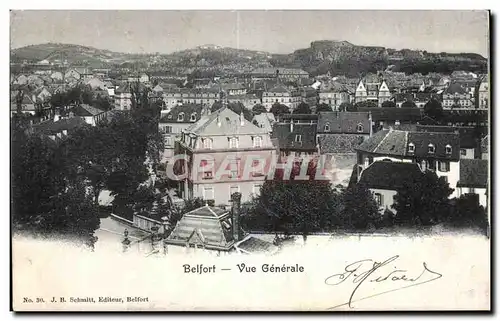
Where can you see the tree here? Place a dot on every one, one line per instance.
(365, 104)
(467, 212)
(323, 107)
(258, 109)
(302, 108)
(423, 202)
(286, 207)
(408, 104)
(347, 106)
(388, 103)
(360, 209)
(433, 109)
(278, 109)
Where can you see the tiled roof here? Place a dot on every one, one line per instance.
(339, 143)
(344, 122)
(206, 226)
(279, 89)
(395, 142)
(390, 175)
(467, 134)
(252, 245)
(265, 120)
(50, 127)
(85, 110)
(473, 173)
(286, 136)
(306, 117)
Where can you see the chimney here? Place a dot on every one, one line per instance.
(56, 118)
(242, 119)
(236, 209)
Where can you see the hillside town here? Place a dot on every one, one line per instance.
(384, 134)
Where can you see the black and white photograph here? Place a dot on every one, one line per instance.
(250, 160)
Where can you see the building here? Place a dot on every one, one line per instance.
(248, 100)
(90, 114)
(123, 97)
(474, 179)
(309, 96)
(296, 134)
(455, 96)
(397, 118)
(235, 89)
(227, 154)
(282, 95)
(483, 93)
(438, 152)
(470, 139)
(80, 73)
(27, 103)
(372, 89)
(174, 122)
(175, 96)
(285, 74)
(57, 76)
(342, 132)
(96, 83)
(144, 78)
(385, 178)
(333, 94)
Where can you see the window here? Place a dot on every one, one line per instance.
(298, 138)
(233, 142)
(193, 117)
(360, 128)
(444, 166)
(378, 199)
(167, 129)
(208, 193)
(256, 189)
(423, 165)
(327, 127)
(397, 123)
(257, 141)
(234, 167)
(207, 168)
(431, 149)
(180, 117)
(448, 149)
(207, 143)
(167, 140)
(411, 148)
(463, 152)
(233, 189)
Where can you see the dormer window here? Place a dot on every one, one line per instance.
(233, 142)
(180, 117)
(431, 149)
(411, 148)
(257, 141)
(327, 127)
(298, 138)
(360, 128)
(193, 117)
(448, 149)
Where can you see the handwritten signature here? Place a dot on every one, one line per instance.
(369, 270)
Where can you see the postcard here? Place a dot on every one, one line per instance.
(260, 160)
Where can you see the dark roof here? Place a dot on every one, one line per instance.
(455, 88)
(50, 127)
(286, 137)
(393, 114)
(339, 143)
(187, 109)
(390, 175)
(467, 134)
(344, 122)
(284, 117)
(396, 142)
(473, 173)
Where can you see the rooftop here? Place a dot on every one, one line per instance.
(473, 173)
(390, 175)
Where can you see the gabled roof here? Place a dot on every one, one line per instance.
(50, 127)
(251, 245)
(344, 122)
(338, 143)
(467, 134)
(396, 142)
(224, 122)
(473, 173)
(286, 136)
(393, 114)
(265, 120)
(279, 89)
(390, 175)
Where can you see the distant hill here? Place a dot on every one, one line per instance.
(336, 57)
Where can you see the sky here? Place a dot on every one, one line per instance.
(272, 31)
